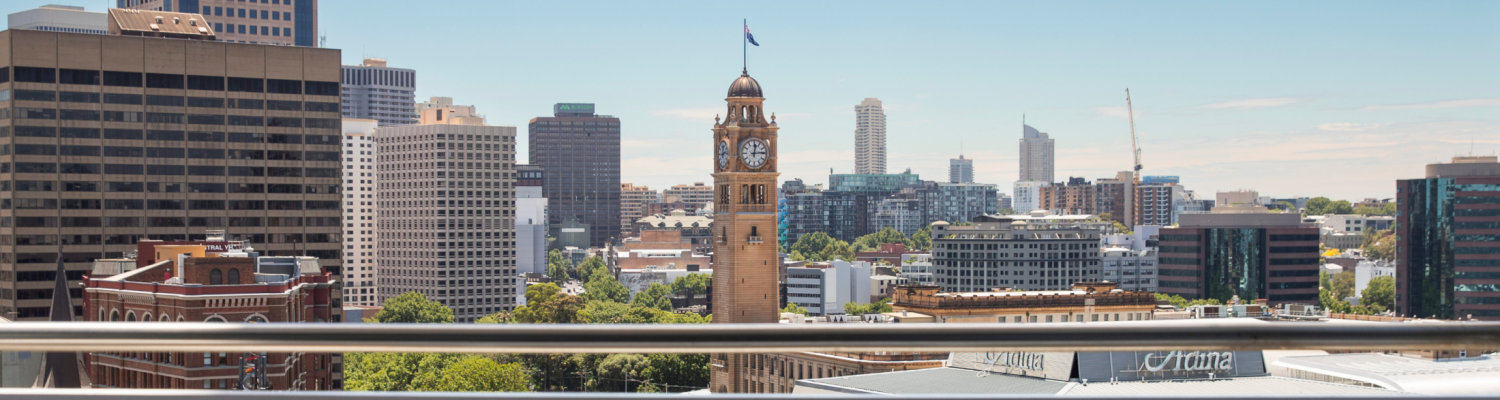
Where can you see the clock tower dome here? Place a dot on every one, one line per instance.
(746, 285)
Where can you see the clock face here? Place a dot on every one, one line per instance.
(723, 154)
(753, 151)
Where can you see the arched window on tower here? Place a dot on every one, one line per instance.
(215, 277)
(234, 276)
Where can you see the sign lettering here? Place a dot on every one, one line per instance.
(1189, 361)
(1031, 361)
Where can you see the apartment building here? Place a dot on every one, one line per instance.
(116, 138)
(633, 205)
(1038, 251)
(697, 193)
(447, 213)
(869, 137)
(273, 22)
(1077, 196)
(360, 239)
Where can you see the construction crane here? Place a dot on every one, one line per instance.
(1135, 150)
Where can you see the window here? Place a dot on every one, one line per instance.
(164, 135)
(78, 77)
(284, 122)
(321, 88)
(234, 276)
(215, 277)
(240, 120)
(38, 75)
(123, 116)
(205, 119)
(164, 81)
(248, 104)
(283, 86)
(122, 133)
(126, 79)
(36, 95)
(206, 102)
(36, 113)
(78, 115)
(78, 97)
(164, 118)
(283, 105)
(249, 85)
(164, 170)
(124, 169)
(116, 98)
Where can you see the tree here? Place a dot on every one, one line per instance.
(618, 371)
(1380, 291)
(680, 370)
(1288, 206)
(837, 249)
(1106, 216)
(1342, 285)
(546, 304)
(656, 296)
(796, 256)
(502, 317)
(1379, 245)
(1122, 229)
(922, 240)
(872, 242)
(413, 308)
(603, 287)
(854, 308)
(1317, 205)
(811, 245)
(1183, 303)
(1339, 207)
(692, 284)
(1006, 211)
(479, 374)
(1323, 282)
(794, 308)
(558, 267)
(589, 266)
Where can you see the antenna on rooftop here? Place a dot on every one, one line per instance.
(323, 40)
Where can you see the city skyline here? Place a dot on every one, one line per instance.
(1365, 93)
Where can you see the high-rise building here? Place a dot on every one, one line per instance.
(1447, 228)
(695, 193)
(374, 91)
(360, 238)
(1243, 251)
(956, 202)
(531, 220)
(57, 18)
(746, 281)
(633, 202)
(447, 213)
(851, 201)
(1157, 203)
(1028, 195)
(285, 23)
(1077, 196)
(1116, 196)
(206, 135)
(1005, 201)
(805, 212)
(869, 137)
(960, 170)
(1036, 155)
(232, 287)
(1028, 252)
(580, 151)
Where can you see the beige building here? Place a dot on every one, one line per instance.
(115, 139)
(1085, 302)
(359, 212)
(1242, 196)
(284, 22)
(634, 200)
(446, 211)
(696, 193)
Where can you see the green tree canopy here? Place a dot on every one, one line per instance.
(603, 287)
(558, 266)
(1317, 205)
(694, 283)
(1380, 291)
(413, 308)
(1183, 303)
(546, 304)
(1006, 211)
(655, 296)
(1339, 207)
(812, 244)
(589, 266)
(1342, 285)
(681, 371)
(1379, 245)
(854, 308)
(794, 308)
(479, 374)
(872, 242)
(922, 240)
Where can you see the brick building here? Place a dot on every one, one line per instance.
(1077, 196)
(222, 287)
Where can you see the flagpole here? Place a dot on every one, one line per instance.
(745, 48)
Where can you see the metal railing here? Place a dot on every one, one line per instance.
(1223, 334)
(1218, 334)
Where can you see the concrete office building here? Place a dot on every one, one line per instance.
(58, 18)
(1035, 251)
(633, 204)
(1447, 227)
(1242, 196)
(869, 137)
(360, 238)
(1028, 196)
(1036, 156)
(531, 220)
(1243, 251)
(1116, 196)
(960, 170)
(284, 23)
(696, 193)
(374, 91)
(447, 213)
(1134, 270)
(824, 288)
(580, 151)
(193, 135)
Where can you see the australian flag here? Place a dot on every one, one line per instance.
(750, 37)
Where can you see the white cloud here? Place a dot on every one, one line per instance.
(689, 114)
(1347, 126)
(1252, 103)
(1435, 105)
(1113, 112)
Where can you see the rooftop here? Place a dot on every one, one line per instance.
(1407, 374)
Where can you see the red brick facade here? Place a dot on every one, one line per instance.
(142, 296)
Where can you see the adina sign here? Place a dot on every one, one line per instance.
(1188, 361)
(1031, 361)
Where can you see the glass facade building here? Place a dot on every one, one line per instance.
(1239, 255)
(1448, 247)
(581, 153)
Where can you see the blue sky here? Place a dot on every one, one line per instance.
(1326, 98)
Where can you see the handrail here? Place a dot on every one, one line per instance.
(153, 394)
(1217, 334)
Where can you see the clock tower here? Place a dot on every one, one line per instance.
(746, 285)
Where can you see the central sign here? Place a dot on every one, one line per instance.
(1188, 361)
(1022, 360)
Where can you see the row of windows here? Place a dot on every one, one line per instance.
(1179, 272)
(167, 81)
(1179, 249)
(128, 222)
(169, 101)
(1178, 238)
(1295, 272)
(168, 152)
(164, 204)
(1294, 261)
(194, 136)
(1294, 249)
(163, 187)
(1293, 238)
(198, 170)
(172, 118)
(1178, 261)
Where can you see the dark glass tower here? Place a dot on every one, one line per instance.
(581, 153)
(1448, 241)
